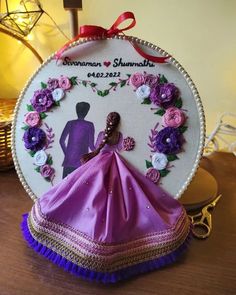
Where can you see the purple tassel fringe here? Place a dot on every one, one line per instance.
(99, 276)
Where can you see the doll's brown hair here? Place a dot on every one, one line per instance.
(112, 122)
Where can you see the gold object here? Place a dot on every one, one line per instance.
(23, 19)
(6, 111)
(202, 221)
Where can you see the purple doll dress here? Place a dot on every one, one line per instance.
(106, 221)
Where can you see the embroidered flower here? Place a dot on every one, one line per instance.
(42, 100)
(34, 139)
(52, 83)
(40, 158)
(128, 143)
(32, 119)
(164, 95)
(151, 80)
(137, 80)
(173, 117)
(47, 171)
(64, 83)
(169, 140)
(159, 161)
(58, 94)
(143, 92)
(153, 174)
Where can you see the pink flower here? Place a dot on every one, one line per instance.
(128, 143)
(151, 80)
(137, 80)
(47, 171)
(64, 83)
(153, 174)
(173, 117)
(32, 119)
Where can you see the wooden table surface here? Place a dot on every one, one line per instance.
(209, 267)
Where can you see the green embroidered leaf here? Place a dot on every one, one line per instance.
(160, 112)
(128, 75)
(122, 83)
(182, 129)
(113, 84)
(148, 164)
(73, 80)
(100, 93)
(43, 115)
(43, 85)
(172, 158)
(146, 101)
(49, 160)
(25, 127)
(37, 169)
(84, 83)
(164, 172)
(163, 79)
(93, 84)
(105, 92)
(32, 153)
(178, 103)
(30, 107)
(57, 103)
(47, 179)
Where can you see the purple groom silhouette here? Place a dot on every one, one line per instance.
(80, 134)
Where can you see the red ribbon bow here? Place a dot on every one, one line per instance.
(96, 31)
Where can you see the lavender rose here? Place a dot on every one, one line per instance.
(151, 80)
(164, 95)
(58, 94)
(40, 158)
(153, 174)
(47, 171)
(64, 83)
(137, 80)
(52, 83)
(143, 92)
(159, 161)
(34, 139)
(42, 100)
(169, 141)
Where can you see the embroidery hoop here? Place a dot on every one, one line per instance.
(160, 51)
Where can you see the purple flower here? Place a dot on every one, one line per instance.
(151, 80)
(34, 139)
(42, 100)
(47, 171)
(52, 83)
(164, 95)
(169, 141)
(153, 174)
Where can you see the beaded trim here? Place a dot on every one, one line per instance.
(85, 252)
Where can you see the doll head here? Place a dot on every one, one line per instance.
(112, 122)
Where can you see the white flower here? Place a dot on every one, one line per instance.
(159, 161)
(143, 92)
(58, 94)
(40, 158)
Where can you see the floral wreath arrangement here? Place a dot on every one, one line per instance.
(150, 89)
(166, 143)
